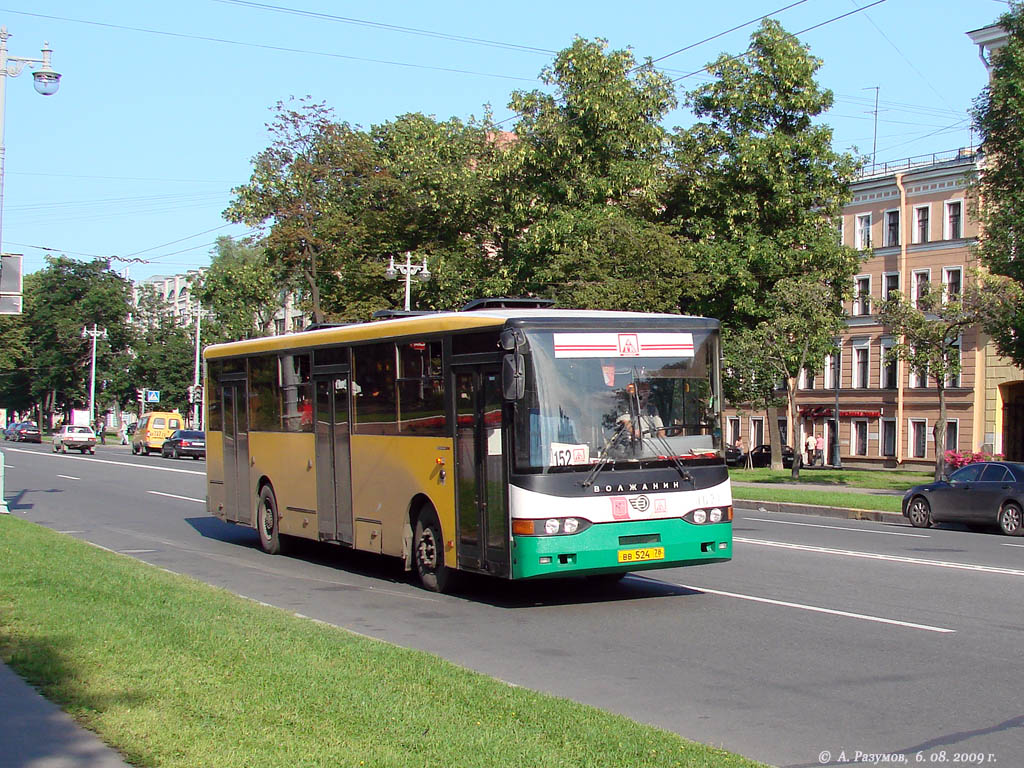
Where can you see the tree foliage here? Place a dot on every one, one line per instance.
(929, 332)
(999, 118)
(240, 289)
(60, 300)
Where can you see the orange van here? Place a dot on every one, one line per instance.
(155, 427)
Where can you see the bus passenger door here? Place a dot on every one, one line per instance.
(239, 506)
(333, 467)
(479, 455)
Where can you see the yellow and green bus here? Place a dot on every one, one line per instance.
(508, 439)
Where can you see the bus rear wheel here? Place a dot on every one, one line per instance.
(428, 548)
(266, 521)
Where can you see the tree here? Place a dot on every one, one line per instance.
(930, 331)
(60, 300)
(755, 189)
(293, 187)
(806, 316)
(999, 118)
(240, 288)
(578, 187)
(164, 353)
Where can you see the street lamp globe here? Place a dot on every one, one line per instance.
(45, 79)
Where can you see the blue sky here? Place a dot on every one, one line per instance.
(163, 105)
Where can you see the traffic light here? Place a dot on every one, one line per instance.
(139, 395)
(191, 394)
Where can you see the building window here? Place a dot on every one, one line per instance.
(298, 323)
(862, 295)
(954, 223)
(862, 236)
(279, 326)
(833, 369)
(952, 283)
(892, 228)
(918, 438)
(892, 284)
(888, 446)
(954, 354)
(952, 434)
(890, 371)
(919, 378)
(807, 379)
(734, 430)
(922, 281)
(860, 437)
(860, 368)
(756, 432)
(921, 218)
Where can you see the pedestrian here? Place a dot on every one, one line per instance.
(819, 450)
(101, 431)
(123, 433)
(809, 444)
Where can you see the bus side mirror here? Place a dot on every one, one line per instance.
(513, 376)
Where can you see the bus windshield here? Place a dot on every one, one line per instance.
(623, 397)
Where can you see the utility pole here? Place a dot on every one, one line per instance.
(874, 140)
(95, 334)
(197, 400)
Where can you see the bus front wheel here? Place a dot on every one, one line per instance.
(266, 521)
(429, 552)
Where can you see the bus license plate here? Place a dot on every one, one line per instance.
(640, 555)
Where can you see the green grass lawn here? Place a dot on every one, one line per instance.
(779, 486)
(174, 673)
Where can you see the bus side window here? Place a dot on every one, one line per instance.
(264, 406)
(296, 394)
(214, 423)
(374, 385)
(420, 389)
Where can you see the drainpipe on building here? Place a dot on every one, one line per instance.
(905, 289)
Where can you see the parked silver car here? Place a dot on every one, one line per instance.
(76, 438)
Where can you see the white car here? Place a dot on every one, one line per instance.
(77, 438)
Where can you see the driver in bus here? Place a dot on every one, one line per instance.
(640, 418)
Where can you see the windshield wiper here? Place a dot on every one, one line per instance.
(671, 456)
(605, 455)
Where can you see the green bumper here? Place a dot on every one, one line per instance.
(596, 550)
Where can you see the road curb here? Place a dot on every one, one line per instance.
(845, 513)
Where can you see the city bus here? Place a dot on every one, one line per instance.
(509, 439)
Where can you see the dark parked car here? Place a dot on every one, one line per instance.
(185, 442)
(982, 494)
(10, 430)
(761, 456)
(734, 457)
(27, 432)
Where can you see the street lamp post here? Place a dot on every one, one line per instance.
(408, 270)
(837, 462)
(95, 333)
(197, 401)
(46, 82)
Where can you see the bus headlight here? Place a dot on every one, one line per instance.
(709, 516)
(552, 526)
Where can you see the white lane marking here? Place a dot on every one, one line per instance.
(137, 551)
(69, 477)
(837, 527)
(1011, 545)
(818, 609)
(176, 496)
(890, 558)
(108, 461)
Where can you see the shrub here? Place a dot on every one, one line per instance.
(957, 459)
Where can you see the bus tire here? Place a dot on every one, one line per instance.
(428, 552)
(267, 521)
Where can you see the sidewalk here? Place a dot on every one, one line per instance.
(37, 734)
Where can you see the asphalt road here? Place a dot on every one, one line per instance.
(823, 642)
